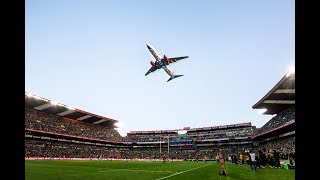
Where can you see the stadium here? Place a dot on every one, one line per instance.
(63, 142)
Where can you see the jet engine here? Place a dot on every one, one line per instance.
(166, 58)
(152, 64)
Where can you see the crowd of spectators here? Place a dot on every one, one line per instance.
(267, 152)
(154, 153)
(201, 153)
(210, 134)
(285, 146)
(37, 120)
(57, 149)
(142, 153)
(144, 138)
(226, 133)
(279, 120)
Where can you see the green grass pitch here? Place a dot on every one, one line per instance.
(122, 170)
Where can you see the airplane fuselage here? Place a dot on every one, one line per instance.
(160, 62)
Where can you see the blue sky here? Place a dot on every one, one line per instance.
(92, 55)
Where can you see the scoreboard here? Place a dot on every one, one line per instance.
(182, 144)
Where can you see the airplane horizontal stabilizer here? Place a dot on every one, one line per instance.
(173, 77)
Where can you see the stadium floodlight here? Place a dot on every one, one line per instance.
(54, 103)
(261, 111)
(37, 97)
(119, 124)
(28, 94)
(291, 70)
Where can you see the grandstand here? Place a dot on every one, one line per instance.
(277, 136)
(51, 107)
(52, 127)
(232, 137)
(234, 134)
(48, 122)
(54, 130)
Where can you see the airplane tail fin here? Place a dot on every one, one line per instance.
(173, 77)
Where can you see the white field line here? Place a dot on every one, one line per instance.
(183, 172)
(131, 170)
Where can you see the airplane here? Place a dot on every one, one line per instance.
(163, 63)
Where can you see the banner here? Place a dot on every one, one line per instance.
(182, 135)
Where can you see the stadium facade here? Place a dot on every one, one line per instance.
(55, 130)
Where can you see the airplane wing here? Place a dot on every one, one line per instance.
(175, 59)
(152, 69)
(154, 52)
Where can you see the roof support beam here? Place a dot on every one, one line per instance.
(100, 121)
(84, 117)
(43, 106)
(66, 112)
(279, 102)
(285, 91)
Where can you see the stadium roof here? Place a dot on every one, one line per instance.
(48, 106)
(280, 97)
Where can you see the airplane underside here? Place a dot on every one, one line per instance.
(162, 63)
(167, 70)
